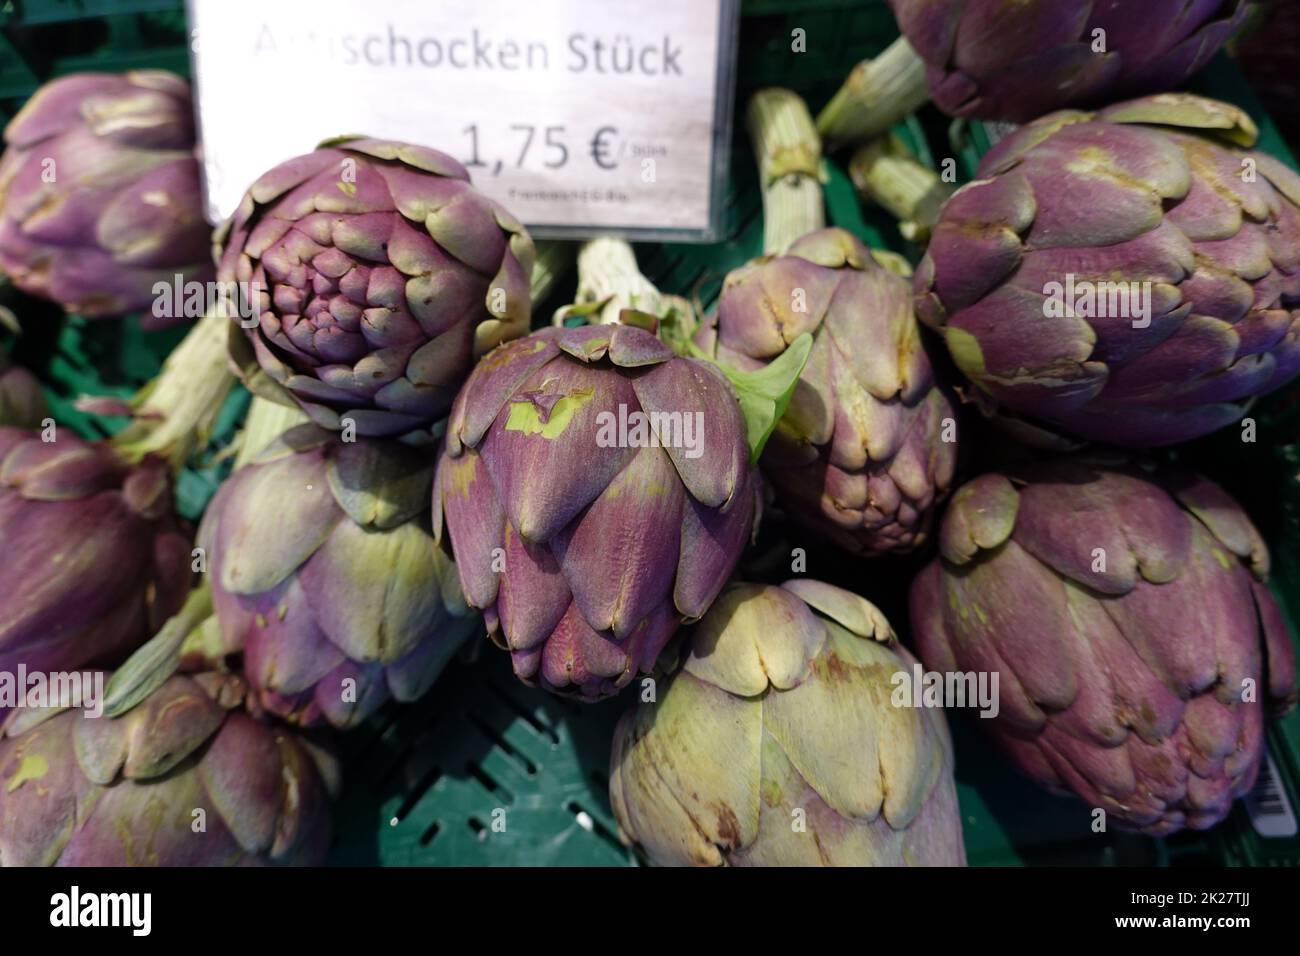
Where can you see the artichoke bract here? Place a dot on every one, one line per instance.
(324, 575)
(377, 275)
(96, 560)
(1127, 276)
(22, 403)
(1138, 649)
(597, 491)
(100, 194)
(867, 445)
(188, 777)
(778, 743)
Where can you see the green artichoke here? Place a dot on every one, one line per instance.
(325, 576)
(777, 743)
(1138, 649)
(377, 276)
(1127, 276)
(188, 777)
(100, 196)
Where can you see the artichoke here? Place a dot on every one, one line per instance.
(1125, 275)
(22, 403)
(1138, 649)
(100, 195)
(864, 449)
(997, 60)
(1018, 61)
(188, 777)
(597, 491)
(96, 560)
(378, 276)
(861, 454)
(324, 575)
(777, 743)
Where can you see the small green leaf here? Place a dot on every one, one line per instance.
(677, 328)
(765, 394)
(149, 667)
(639, 319)
(581, 311)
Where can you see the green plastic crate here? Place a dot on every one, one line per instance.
(63, 11)
(41, 39)
(488, 771)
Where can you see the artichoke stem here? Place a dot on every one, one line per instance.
(266, 421)
(789, 156)
(877, 94)
(889, 174)
(609, 281)
(554, 259)
(792, 208)
(175, 413)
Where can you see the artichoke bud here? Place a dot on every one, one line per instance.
(100, 195)
(778, 743)
(1123, 276)
(865, 448)
(379, 298)
(81, 789)
(1138, 649)
(326, 576)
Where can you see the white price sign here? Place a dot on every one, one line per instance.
(580, 116)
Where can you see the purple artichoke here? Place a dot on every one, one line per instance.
(324, 574)
(1121, 274)
(96, 560)
(100, 196)
(1138, 649)
(1016, 61)
(186, 778)
(777, 743)
(597, 492)
(22, 403)
(378, 276)
(860, 454)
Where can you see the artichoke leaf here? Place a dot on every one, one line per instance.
(250, 373)
(154, 663)
(380, 484)
(764, 394)
(852, 611)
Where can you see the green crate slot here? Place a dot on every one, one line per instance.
(484, 771)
